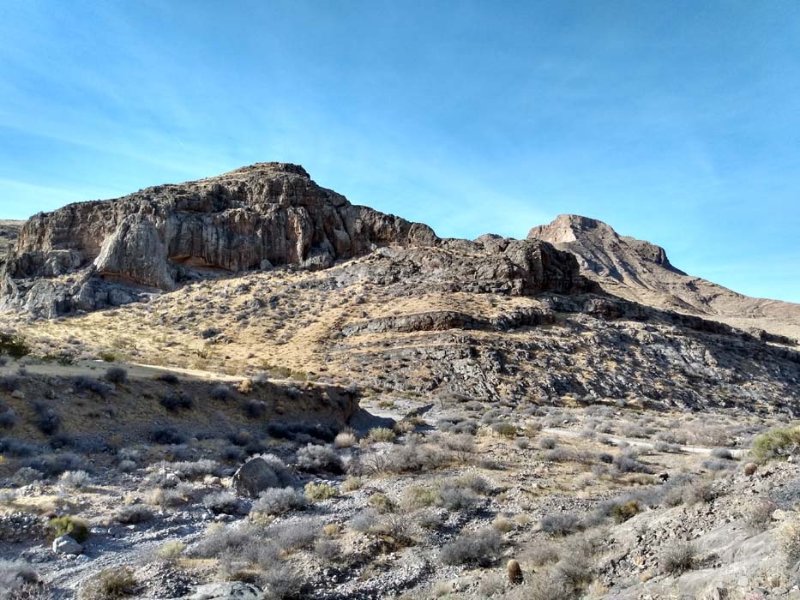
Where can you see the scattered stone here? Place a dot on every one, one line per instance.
(232, 590)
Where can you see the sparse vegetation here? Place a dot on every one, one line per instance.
(74, 527)
(677, 558)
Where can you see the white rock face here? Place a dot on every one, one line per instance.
(66, 545)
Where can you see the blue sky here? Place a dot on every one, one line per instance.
(677, 122)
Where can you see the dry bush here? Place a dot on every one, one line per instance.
(677, 558)
(481, 548)
(277, 501)
(109, 584)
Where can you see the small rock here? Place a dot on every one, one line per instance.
(66, 545)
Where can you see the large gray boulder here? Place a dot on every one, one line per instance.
(259, 474)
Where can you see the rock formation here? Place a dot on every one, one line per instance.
(641, 272)
(97, 254)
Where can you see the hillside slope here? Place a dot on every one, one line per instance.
(641, 272)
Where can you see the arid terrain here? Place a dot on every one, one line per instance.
(247, 387)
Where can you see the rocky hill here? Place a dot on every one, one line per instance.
(281, 272)
(253, 218)
(289, 396)
(641, 272)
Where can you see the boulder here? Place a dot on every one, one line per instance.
(66, 545)
(253, 477)
(229, 590)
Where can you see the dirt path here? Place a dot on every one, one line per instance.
(641, 443)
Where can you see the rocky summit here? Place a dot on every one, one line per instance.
(248, 387)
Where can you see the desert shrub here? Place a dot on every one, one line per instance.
(294, 535)
(168, 378)
(282, 581)
(18, 581)
(193, 469)
(52, 465)
(542, 586)
(668, 448)
(380, 434)
(623, 511)
(254, 409)
(277, 501)
(789, 540)
(319, 459)
(699, 491)
(381, 502)
(8, 418)
(409, 458)
(175, 401)
(758, 516)
(221, 539)
(221, 393)
(116, 375)
(561, 524)
(76, 528)
(171, 551)
(26, 475)
(74, 479)
(722, 453)
(166, 436)
(48, 420)
(677, 558)
(575, 568)
(127, 466)
(628, 462)
(481, 548)
(328, 551)
(417, 496)
(240, 438)
(223, 502)
(319, 491)
(133, 514)
(17, 448)
(507, 430)
(109, 584)
(166, 497)
(345, 439)
(83, 383)
(13, 345)
(547, 443)
(364, 521)
(776, 443)
(10, 383)
(351, 484)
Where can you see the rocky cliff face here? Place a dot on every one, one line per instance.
(252, 218)
(8, 237)
(93, 255)
(641, 272)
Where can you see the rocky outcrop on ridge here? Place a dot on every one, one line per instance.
(8, 237)
(641, 272)
(93, 255)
